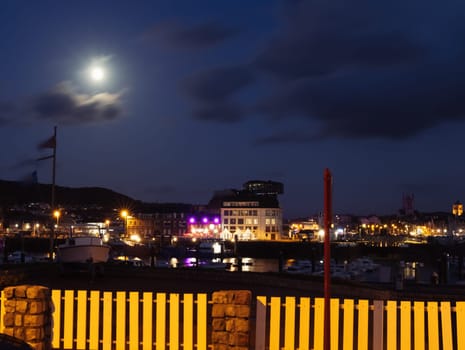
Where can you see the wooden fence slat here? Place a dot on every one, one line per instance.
(2, 310)
(94, 319)
(133, 320)
(348, 326)
(160, 335)
(378, 324)
(289, 324)
(147, 319)
(275, 323)
(56, 334)
(202, 322)
(81, 326)
(107, 320)
(391, 320)
(363, 326)
(433, 325)
(260, 317)
(419, 325)
(460, 324)
(334, 327)
(318, 324)
(68, 321)
(120, 321)
(304, 323)
(446, 326)
(188, 339)
(174, 321)
(405, 325)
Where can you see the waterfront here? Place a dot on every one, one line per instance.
(264, 269)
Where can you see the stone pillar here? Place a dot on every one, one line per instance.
(28, 315)
(231, 319)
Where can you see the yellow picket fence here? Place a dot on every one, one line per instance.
(129, 320)
(104, 320)
(292, 323)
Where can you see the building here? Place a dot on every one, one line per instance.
(251, 213)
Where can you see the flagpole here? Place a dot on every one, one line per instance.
(54, 167)
(52, 231)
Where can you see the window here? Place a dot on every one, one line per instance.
(232, 221)
(226, 213)
(225, 221)
(234, 213)
(248, 221)
(267, 221)
(273, 221)
(254, 212)
(240, 221)
(255, 221)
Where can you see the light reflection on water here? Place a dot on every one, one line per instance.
(383, 273)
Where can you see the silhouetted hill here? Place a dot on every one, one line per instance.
(13, 192)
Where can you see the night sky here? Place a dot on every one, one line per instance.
(199, 96)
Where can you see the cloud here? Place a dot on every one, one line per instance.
(62, 104)
(219, 111)
(179, 35)
(218, 83)
(364, 70)
(375, 104)
(320, 38)
(65, 106)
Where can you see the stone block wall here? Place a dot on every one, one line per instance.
(231, 312)
(28, 315)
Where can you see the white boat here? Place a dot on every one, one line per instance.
(83, 249)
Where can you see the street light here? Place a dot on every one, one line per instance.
(57, 214)
(124, 215)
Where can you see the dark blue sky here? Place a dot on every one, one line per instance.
(205, 95)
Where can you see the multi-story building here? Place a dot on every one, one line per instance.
(252, 213)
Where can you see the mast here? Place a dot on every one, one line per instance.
(54, 167)
(52, 231)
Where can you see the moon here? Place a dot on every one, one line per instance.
(97, 73)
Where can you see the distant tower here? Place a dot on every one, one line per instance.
(457, 209)
(408, 204)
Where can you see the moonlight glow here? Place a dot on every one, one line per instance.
(97, 73)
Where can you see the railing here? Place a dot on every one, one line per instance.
(122, 320)
(298, 324)
(128, 320)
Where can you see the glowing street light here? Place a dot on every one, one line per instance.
(124, 214)
(57, 214)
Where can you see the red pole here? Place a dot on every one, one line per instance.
(327, 255)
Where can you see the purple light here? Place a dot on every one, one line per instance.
(216, 220)
(192, 220)
(205, 220)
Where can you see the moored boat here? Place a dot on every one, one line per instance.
(83, 249)
(84, 245)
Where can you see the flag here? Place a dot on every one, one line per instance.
(49, 143)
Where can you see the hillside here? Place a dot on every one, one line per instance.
(13, 192)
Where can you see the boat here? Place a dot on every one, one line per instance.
(83, 246)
